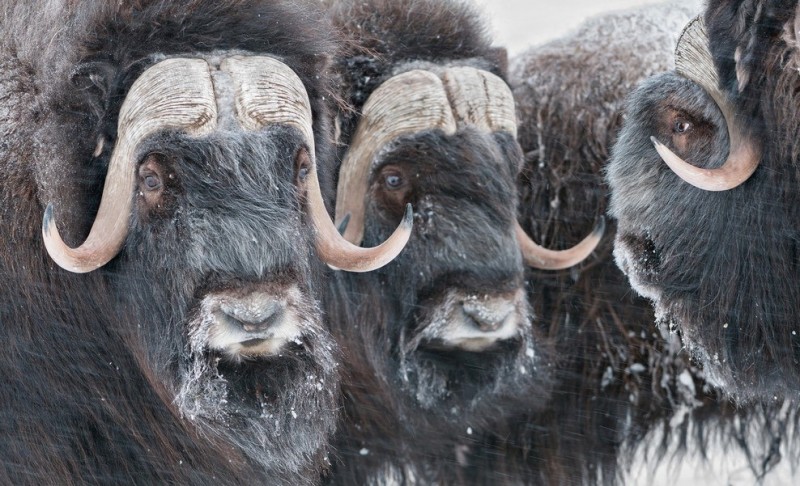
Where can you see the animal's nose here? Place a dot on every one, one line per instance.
(488, 316)
(255, 318)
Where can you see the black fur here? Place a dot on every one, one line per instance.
(626, 394)
(617, 375)
(101, 380)
(412, 409)
(721, 266)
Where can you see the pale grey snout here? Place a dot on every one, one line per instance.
(487, 317)
(249, 324)
(473, 322)
(253, 320)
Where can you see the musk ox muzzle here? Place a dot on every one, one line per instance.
(471, 321)
(252, 321)
(180, 94)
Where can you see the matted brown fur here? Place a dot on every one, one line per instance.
(620, 377)
(90, 363)
(411, 411)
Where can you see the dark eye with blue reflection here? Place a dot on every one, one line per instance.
(150, 173)
(393, 180)
(302, 173)
(152, 182)
(302, 167)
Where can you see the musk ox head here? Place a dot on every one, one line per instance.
(204, 225)
(455, 313)
(617, 376)
(212, 222)
(711, 245)
(438, 344)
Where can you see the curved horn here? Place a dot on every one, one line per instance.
(484, 100)
(269, 92)
(544, 259)
(481, 99)
(173, 94)
(408, 103)
(693, 61)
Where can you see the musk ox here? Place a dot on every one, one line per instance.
(615, 374)
(438, 344)
(711, 236)
(171, 145)
(623, 387)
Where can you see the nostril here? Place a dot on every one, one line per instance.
(485, 319)
(254, 320)
(484, 325)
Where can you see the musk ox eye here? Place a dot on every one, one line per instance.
(150, 173)
(302, 173)
(393, 180)
(302, 166)
(152, 182)
(392, 189)
(681, 126)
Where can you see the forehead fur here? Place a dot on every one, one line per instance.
(60, 33)
(381, 36)
(428, 29)
(475, 166)
(80, 65)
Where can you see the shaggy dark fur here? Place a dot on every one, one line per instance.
(383, 38)
(412, 408)
(615, 370)
(721, 267)
(101, 382)
(622, 383)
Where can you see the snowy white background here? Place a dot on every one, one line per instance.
(519, 24)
